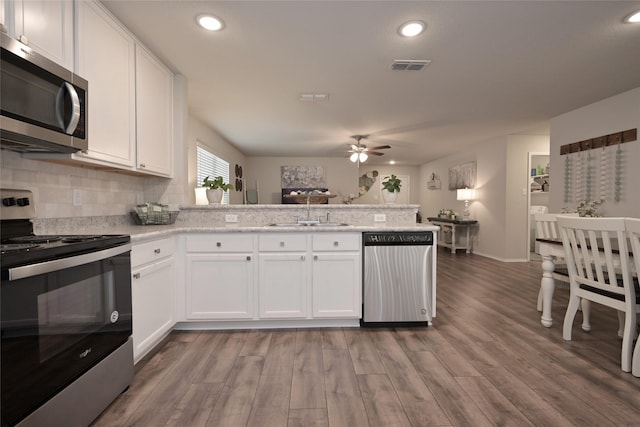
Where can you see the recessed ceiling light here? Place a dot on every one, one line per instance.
(392, 162)
(633, 18)
(411, 28)
(210, 22)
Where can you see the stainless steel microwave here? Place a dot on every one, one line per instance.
(44, 106)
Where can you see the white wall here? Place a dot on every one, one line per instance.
(341, 174)
(614, 114)
(500, 206)
(199, 132)
(342, 177)
(413, 186)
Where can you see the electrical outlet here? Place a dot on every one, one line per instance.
(77, 198)
(379, 217)
(231, 218)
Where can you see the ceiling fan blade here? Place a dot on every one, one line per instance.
(381, 147)
(374, 153)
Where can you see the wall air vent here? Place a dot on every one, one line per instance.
(410, 64)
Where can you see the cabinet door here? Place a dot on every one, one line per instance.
(48, 26)
(337, 287)
(283, 285)
(106, 58)
(219, 286)
(152, 298)
(154, 108)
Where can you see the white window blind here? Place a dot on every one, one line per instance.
(212, 166)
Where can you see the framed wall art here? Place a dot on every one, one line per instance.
(462, 176)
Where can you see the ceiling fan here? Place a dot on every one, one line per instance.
(360, 152)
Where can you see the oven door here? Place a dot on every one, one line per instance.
(60, 318)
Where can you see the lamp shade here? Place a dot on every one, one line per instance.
(466, 194)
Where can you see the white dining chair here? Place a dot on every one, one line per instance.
(547, 228)
(597, 257)
(633, 233)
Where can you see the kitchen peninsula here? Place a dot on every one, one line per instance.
(230, 267)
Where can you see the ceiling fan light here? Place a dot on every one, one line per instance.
(363, 157)
(354, 157)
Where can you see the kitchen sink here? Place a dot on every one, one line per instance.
(302, 224)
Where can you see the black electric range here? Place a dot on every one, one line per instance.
(20, 246)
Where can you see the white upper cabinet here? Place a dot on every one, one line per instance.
(154, 98)
(3, 15)
(130, 99)
(46, 26)
(106, 58)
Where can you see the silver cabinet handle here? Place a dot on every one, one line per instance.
(336, 243)
(315, 257)
(248, 258)
(142, 165)
(156, 251)
(219, 244)
(282, 244)
(136, 276)
(302, 258)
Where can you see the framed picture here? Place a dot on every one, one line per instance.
(463, 176)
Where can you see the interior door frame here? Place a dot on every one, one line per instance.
(528, 190)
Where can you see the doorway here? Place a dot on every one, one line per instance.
(537, 195)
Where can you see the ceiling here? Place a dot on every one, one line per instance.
(498, 68)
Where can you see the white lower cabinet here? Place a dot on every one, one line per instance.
(310, 275)
(152, 291)
(272, 276)
(283, 289)
(219, 286)
(336, 275)
(219, 276)
(336, 285)
(283, 286)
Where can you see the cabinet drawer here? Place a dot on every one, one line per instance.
(217, 243)
(147, 252)
(336, 242)
(283, 242)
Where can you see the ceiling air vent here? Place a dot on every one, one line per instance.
(409, 65)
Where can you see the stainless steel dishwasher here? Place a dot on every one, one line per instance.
(399, 278)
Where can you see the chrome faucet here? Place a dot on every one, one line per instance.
(309, 221)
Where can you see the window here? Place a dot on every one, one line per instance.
(211, 165)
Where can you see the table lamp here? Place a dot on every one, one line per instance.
(466, 194)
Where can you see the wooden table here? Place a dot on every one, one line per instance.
(467, 225)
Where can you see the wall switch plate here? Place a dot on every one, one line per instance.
(77, 198)
(379, 217)
(231, 218)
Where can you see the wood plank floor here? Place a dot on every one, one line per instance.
(486, 361)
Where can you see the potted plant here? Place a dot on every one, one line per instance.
(391, 188)
(216, 188)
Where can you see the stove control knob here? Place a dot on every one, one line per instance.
(9, 201)
(23, 201)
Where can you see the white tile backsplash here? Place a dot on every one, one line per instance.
(52, 184)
